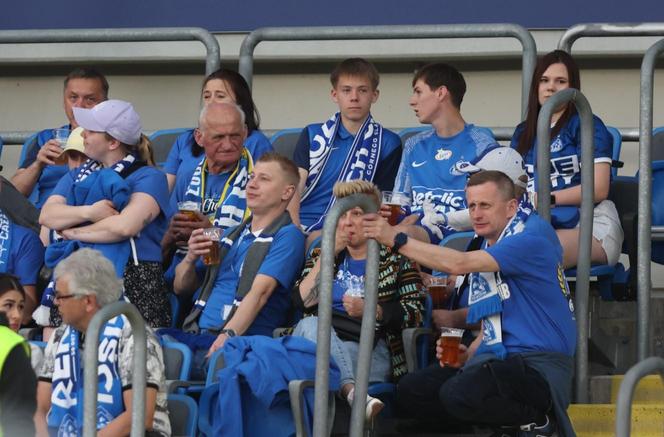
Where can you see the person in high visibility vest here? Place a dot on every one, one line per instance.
(18, 384)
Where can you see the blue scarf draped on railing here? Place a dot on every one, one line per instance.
(487, 291)
(360, 163)
(65, 417)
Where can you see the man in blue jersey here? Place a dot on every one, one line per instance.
(217, 184)
(248, 293)
(350, 145)
(518, 372)
(428, 166)
(40, 168)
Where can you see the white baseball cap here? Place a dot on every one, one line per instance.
(500, 158)
(115, 117)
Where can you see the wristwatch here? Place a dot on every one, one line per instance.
(229, 332)
(553, 199)
(399, 240)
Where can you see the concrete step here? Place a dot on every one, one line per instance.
(598, 420)
(604, 389)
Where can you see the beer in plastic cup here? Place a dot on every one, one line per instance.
(61, 135)
(437, 287)
(450, 339)
(189, 208)
(213, 257)
(396, 201)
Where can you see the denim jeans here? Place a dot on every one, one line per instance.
(345, 353)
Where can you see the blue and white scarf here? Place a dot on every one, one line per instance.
(85, 191)
(488, 291)
(232, 206)
(5, 241)
(65, 417)
(361, 162)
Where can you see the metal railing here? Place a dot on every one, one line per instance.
(586, 221)
(529, 56)
(90, 377)
(321, 427)
(626, 392)
(607, 29)
(644, 217)
(146, 34)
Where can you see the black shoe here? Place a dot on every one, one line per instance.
(546, 429)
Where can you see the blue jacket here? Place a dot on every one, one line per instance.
(262, 366)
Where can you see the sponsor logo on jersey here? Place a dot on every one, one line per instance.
(418, 164)
(557, 145)
(443, 154)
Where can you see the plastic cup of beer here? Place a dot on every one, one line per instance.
(396, 200)
(450, 339)
(212, 257)
(61, 135)
(437, 288)
(189, 208)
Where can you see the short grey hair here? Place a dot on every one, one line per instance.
(90, 273)
(204, 110)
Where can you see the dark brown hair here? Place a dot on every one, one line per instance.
(357, 67)
(441, 74)
(10, 282)
(88, 73)
(530, 124)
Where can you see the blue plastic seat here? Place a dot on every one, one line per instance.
(162, 142)
(285, 140)
(183, 415)
(177, 364)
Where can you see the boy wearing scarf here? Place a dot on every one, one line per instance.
(85, 282)
(350, 145)
(518, 372)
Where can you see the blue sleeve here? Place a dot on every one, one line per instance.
(603, 140)
(514, 142)
(402, 181)
(288, 244)
(63, 188)
(29, 255)
(152, 182)
(301, 153)
(174, 158)
(258, 144)
(510, 254)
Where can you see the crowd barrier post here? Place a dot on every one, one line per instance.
(586, 221)
(90, 377)
(321, 390)
(626, 391)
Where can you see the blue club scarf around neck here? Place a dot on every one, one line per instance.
(5, 241)
(92, 183)
(360, 163)
(488, 291)
(232, 207)
(65, 417)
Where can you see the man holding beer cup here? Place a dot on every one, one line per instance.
(518, 372)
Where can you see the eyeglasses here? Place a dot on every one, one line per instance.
(60, 297)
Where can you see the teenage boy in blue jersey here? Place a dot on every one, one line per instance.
(350, 145)
(249, 292)
(84, 88)
(428, 165)
(518, 372)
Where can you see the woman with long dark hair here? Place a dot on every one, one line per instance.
(222, 86)
(554, 72)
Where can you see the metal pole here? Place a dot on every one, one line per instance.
(321, 388)
(529, 56)
(586, 221)
(608, 29)
(90, 378)
(626, 392)
(212, 62)
(644, 217)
